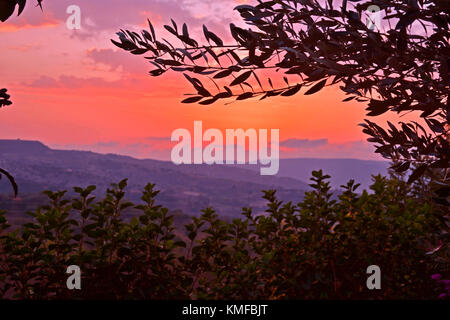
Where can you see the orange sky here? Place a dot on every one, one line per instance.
(74, 89)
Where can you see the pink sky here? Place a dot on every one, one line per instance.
(74, 89)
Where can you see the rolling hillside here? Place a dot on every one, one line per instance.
(188, 188)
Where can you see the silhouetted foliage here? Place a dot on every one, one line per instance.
(318, 248)
(11, 180)
(7, 8)
(4, 98)
(402, 69)
(4, 101)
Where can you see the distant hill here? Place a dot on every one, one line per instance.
(188, 188)
(340, 170)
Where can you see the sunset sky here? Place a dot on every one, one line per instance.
(74, 89)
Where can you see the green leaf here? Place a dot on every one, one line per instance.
(417, 173)
(11, 180)
(192, 99)
(171, 30)
(223, 74)
(292, 91)
(185, 31)
(402, 167)
(209, 101)
(152, 30)
(317, 87)
(211, 36)
(245, 95)
(123, 183)
(168, 62)
(241, 78)
(6, 9)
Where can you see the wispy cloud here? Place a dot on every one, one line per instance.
(72, 82)
(160, 148)
(322, 148)
(137, 149)
(303, 143)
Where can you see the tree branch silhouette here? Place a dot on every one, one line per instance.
(7, 8)
(400, 69)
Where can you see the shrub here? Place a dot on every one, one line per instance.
(317, 248)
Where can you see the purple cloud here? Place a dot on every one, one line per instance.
(72, 82)
(303, 143)
(322, 148)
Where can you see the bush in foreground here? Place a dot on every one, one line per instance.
(318, 248)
